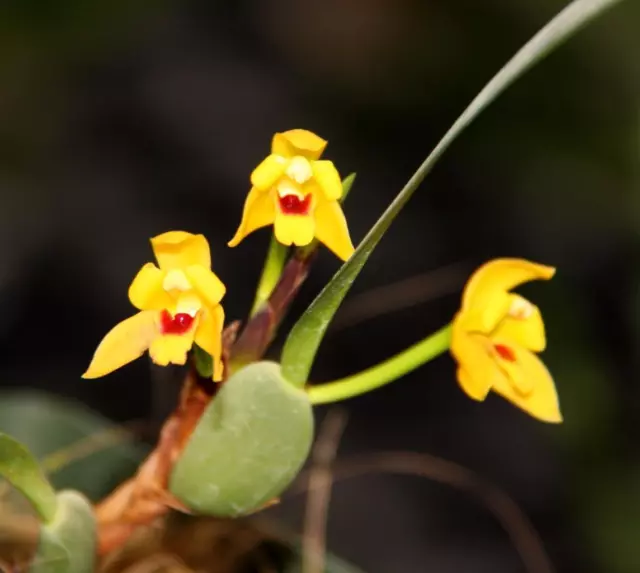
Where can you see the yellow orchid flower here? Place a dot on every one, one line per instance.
(496, 335)
(179, 304)
(298, 193)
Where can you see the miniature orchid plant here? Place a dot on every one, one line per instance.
(243, 426)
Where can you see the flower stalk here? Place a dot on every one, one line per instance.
(271, 272)
(383, 373)
(282, 284)
(255, 338)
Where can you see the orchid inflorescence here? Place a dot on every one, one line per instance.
(494, 337)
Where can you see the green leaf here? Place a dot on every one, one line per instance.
(247, 447)
(22, 470)
(68, 543)
(51, 556)
(347, 183)
(305, 337)
(82, 449)
(203, 362)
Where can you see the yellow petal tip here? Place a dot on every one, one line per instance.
(298, 142)
(175, 249)
(555, 418)
(88, 375)
(345, 256)
(92, 372)
(96, 371)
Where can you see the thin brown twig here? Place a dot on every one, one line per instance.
(400, 295)
(319, 491)
(521, 531)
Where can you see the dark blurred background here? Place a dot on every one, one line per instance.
(121, 119)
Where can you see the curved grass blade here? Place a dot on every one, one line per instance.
(305, 337)
(22, 470)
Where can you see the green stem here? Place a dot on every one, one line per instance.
(203, 361)
(383, 373)
(271, 272)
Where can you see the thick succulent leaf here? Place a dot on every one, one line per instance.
(47, 423)
(248, 446)
(20, 468)
(305, 337)
(51, 556)
(68, 543)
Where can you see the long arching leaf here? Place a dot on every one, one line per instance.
(305, 337)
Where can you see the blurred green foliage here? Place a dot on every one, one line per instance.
(49, 426)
